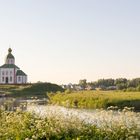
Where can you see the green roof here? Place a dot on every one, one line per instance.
(20, 72)
(10, 56)
(9, 66)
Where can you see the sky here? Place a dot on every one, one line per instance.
(63, 41)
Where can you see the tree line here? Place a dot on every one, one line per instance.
(119, 84)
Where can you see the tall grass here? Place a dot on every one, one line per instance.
(97, 99)
(61, 124)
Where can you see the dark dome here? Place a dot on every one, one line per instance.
(9, 54)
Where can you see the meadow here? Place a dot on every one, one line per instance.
(80, 115)
(97, 99)
(59, 123)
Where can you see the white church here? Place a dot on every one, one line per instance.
(10, 73)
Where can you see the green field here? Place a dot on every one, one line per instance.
(97, 99)
(29, 90)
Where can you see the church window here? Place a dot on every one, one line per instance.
(6, 72)
(3, 79)
(19, 79)
(3, 73)
(10, 79)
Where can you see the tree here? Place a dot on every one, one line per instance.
(134, 82)
(121, 83)
(105, 82)
(83, 83)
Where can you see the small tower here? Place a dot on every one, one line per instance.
(10, 59)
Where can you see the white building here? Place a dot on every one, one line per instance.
(10, 73)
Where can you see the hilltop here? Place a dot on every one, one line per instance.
(29, 90)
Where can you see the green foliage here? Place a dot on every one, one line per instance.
(134, 83)
(121, 81)
(105, 82)
(97, 99)
(25, 126)
(68, 91)
(36, 89)
(44, 87)
(83, 83)
(120, 84)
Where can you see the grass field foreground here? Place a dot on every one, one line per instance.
(57, 123)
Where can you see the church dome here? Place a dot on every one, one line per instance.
(10, 56)
(10, 59)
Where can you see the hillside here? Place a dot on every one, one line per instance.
(29, 90)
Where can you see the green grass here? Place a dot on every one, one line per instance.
(29, 90)
(26, 126)
(97, 99)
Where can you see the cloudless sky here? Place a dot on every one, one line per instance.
(63, 41)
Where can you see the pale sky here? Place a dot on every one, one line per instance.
(63, 41)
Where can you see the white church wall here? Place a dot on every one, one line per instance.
(21, 79)
(24, 79)
(7, 75)
(18, 79)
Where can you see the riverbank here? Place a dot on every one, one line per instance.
(55, 123)
(97, 99)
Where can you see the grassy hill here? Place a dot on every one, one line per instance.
(29, 90)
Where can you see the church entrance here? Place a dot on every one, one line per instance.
(6, 80)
